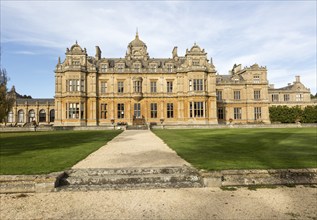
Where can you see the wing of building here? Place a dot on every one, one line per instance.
(138, 89)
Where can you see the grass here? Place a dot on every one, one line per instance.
(222, 149)
(45, 152)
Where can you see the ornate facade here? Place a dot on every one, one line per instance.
(138, 89)
(92, 91)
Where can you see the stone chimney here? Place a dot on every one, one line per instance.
(174, 53)
(297, 78)
(98, 53)
(271, 86)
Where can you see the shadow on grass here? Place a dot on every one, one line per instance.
(44, 152)
(244, 148)
(19, 143)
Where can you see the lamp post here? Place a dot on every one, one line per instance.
(162, 120)
(112, 122)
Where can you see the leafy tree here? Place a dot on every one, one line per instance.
(6, 101)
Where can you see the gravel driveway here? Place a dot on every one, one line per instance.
(199, 203)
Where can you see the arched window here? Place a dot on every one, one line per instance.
(52, 115)
(42, 116)
(10, 117)
(31, 115)
(21, 116)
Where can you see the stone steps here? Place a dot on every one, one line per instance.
(129, 178)
(137, 127)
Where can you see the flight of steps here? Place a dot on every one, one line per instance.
(129, 178)
(137, 127)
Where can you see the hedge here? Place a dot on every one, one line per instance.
(285, 114)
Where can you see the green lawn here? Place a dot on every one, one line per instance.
(45, 152)
(220, 149)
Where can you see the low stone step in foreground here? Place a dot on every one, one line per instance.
(130, 178)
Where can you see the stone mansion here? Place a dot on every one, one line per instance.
(138, 89)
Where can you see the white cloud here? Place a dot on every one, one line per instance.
(280, 35)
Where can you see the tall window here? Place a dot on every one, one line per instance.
(73, 110)
(137, 86)
(153, 86)
(31, 115)
(257, 113)
(103, 68)
(170, 110)
(21, 116)
(257, 94)
(299, 97)
(198, 85)
(274, 97)
(42, 116)
(137, 110)
(169, 86)
(219, 95)
(237, 113)
(120, 110)
(103, 111)
(256, 79)
(153, 110)
(286, 97)
(10, 117)
(103, 87)
(236, 95)
(120, 87)
(196, 109)
(220, 113)
(52, 115)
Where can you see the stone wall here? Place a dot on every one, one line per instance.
(29, 183)
(259, 177)
(191, 126)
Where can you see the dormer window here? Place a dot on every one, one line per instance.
(137, 67)
(195, 62)
(120, 67)
(153, 68)
(103, 68)
(169, 68)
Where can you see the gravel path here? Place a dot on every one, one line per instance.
(133, 148)
(194, 203)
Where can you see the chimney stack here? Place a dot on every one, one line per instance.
(98, 53)
(297, 78)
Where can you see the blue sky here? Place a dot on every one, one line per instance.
(280, 35)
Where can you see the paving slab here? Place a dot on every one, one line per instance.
(133, 148)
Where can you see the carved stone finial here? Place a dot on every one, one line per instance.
(59, 60)
(76, 42)
(137, 33)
